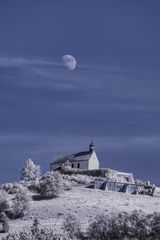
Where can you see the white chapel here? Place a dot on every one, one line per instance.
(87, 160)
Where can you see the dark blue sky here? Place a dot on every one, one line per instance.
(112, 96)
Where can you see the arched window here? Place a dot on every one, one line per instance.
(78, 165)
(72, 165)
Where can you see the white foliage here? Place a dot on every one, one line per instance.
(4, 201)
(51, 185)
(13, 188)
(21, 203)
(34, 234)
(71, 226)
(30, 171)
(81, 179)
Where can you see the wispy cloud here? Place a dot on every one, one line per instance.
(66, 142)
(35, 62)
(19, 61)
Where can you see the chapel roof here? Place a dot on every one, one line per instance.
(74, 157)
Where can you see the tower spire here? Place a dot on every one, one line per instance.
(91, 146)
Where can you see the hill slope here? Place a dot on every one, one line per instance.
(85, 204)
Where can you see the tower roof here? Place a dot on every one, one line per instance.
(91, 146)
(91, 143)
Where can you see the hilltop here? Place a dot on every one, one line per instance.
(85, 204)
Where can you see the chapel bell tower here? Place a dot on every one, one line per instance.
(91, 147)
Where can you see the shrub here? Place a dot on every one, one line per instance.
(20, 203)
(17, 206)
(137, 225)
(4, 201)
(155, 225)
(72, 227)
(12, 188)
(32, 186)
(50, 185)
(34, 233)
(124, 226)
(79, 179)
(99, 229)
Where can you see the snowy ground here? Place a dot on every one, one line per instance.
(85, 204)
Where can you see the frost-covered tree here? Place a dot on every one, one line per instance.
(21, 203)
(4, 202)
(4, 210)
(12, 188)
(50, 185)
(30, 171)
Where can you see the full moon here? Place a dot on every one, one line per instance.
(69, 61)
